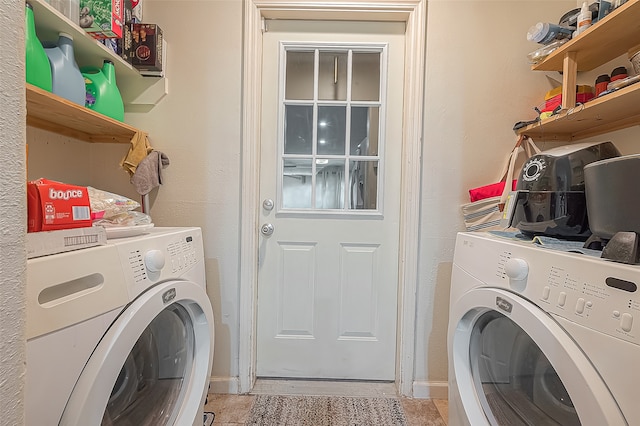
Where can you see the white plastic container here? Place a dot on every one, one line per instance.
(546, 33)
(584, 18)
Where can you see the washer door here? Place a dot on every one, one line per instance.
(514, 365)
(152, 367)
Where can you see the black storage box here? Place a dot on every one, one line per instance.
(551, 191)
(146, 47)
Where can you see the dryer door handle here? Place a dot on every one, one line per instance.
(516, 269)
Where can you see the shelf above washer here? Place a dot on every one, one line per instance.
(50, 112)
(88, 51)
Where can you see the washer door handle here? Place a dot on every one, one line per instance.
(154, 260)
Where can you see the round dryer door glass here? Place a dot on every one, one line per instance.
(149, 388)
(514, 380)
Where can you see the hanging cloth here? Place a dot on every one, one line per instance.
(148, 174)
(139, 149)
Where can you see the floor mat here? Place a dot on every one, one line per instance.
(208, 418)
(278, 410)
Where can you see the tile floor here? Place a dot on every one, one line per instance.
(234, 410)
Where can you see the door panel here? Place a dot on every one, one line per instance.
(330, 158)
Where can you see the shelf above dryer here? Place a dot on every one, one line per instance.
(606, 40)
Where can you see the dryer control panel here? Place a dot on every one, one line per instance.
(596, 293)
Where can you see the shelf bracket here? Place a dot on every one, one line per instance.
(150, 97)
(569, 79)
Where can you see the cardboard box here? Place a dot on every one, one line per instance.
(147, 47)
(124, 45)
(54, 205)
(136, 10)
(102, 18)
(163, 65)
(63, 240)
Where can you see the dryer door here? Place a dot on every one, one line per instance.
(514, 365)
(152, 366)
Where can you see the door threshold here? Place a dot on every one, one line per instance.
(350, 388)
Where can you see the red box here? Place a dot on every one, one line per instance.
(54, 205)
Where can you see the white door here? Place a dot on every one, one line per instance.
(331, 143)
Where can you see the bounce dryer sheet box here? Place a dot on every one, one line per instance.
(54, 205)
(60, 241)
(102, 18)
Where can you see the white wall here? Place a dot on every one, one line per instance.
(198, 126)
(13, 214)
(478, 85)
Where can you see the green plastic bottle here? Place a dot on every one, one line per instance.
(103, 95)
(38, 70)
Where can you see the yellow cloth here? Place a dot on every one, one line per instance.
(139, 149)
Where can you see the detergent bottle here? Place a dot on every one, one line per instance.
(38, 71)
(67, 81)
(102, 94)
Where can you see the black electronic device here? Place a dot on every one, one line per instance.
(550, 198)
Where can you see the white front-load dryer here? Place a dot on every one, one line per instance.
(540, 336)
(120, 334)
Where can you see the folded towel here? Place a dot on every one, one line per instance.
(138, 150)
(148, 174)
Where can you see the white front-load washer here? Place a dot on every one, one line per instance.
(539, 336)
(120, 334)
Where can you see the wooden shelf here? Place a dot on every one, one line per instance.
(607, 39)
(53, 113)
(88, 51)
(615, 111)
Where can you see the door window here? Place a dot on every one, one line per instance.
(330, 156)
(149, 388)
(514, 380)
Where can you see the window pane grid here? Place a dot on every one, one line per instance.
(332, 173)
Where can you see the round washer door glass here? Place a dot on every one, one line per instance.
(513, 378)
(148, 388)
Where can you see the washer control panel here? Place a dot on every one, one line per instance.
(182, 254)
(163, 254)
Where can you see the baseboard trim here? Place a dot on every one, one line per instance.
(362, 389)
(229, 385)
(430, 390)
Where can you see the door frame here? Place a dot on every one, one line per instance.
(413, 13)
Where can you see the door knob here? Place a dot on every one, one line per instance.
(268, 204)
(267, 229)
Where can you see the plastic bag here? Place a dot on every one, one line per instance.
(105, 205)
(130, 218)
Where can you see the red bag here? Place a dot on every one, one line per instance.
(488, 191)
(523, 144)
